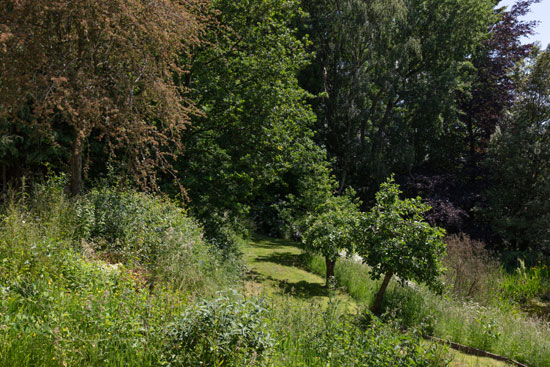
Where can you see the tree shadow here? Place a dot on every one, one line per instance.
(303, 289)
(255, 276)
(271, 243)
(284, 258)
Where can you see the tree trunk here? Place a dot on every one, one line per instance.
(330, 270)
(342, 181)
(380, 295)
(76, 163)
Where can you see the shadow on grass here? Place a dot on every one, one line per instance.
(284, 258)
(271, 243)
(255, 276)
(303, 289)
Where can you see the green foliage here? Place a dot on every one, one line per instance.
(397, 239)
(148, 232)
(227, 331)
(60, 308)
(313, 336)
(387, 74)
(499, 327)
(525, 284)
(254, 140)
(332, 228)
(520, 163)
(60, 304)
(313, 186)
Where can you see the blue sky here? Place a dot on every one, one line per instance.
(540, 12)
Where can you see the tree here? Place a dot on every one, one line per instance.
(493, 87)
(255, 138)
(103, 69)
(332, 228)
(519, 162)
(387, 74)
(396, 240)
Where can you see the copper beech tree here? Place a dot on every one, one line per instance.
(105, 67)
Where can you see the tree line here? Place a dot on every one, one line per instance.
(272, 110)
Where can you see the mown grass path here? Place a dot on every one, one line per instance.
(275, 267)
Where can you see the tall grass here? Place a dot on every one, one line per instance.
(67, 298)
(504, 330)
(316, 335)
(480, 316)
(352, 276)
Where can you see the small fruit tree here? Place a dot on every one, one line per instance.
(331, 229)
(396, 240)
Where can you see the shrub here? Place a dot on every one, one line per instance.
(150, 233)
(471, 270)
(61, 304)
(228, 331)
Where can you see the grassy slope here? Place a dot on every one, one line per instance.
(275, 267)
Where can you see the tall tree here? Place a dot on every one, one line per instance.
(102, 68)
(493, 88)
(455, 187)
(387, 73)
(255, 134)
(519, 159)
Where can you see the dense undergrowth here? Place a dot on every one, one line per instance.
(483, 306)
(328, 335)
(120, 278)
(95, 281)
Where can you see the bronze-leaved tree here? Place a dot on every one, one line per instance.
(396, 240)
(100, 69)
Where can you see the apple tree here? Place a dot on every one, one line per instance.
(396, 240)
(332, 229)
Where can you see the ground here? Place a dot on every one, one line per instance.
(275, 267)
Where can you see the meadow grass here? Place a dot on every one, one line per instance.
(273, 262)
(65, 302)
(79, 287)
(500, 326)
(277, 267)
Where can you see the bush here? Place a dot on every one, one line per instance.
(471, 270)
(62, 304)
(148, 233)
(228, 331)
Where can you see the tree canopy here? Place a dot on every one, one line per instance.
(249, 108)
(387, 74)
(520, 162)
(101, 69)
(332, 229)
